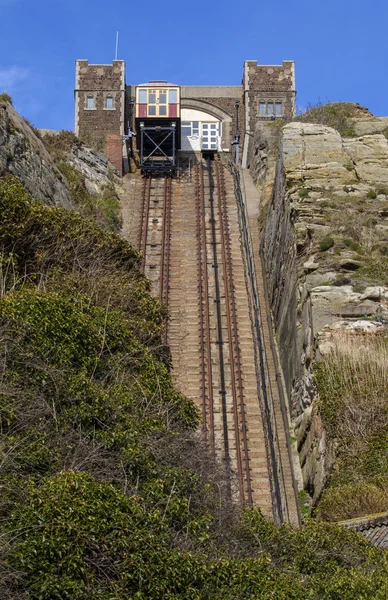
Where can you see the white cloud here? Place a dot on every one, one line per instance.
(12, 76)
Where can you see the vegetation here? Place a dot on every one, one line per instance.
(4, 97)
(103, 207)
(107, 493)
(333, 114)
(352, 383)
(326, 244)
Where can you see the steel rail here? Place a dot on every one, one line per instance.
(233, 325)
(165, 249)
(220, 341)
(144, 221)
(262, 366)
(204, 314)
(233, 340)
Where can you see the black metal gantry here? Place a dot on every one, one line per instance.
(157, 148)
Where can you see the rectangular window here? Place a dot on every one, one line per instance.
(162, 97)
(196, 124)
(142, 96)
(163, 110)
(262, 109)
(279, 109)
(152, 110)
(173, 96)
(109, 102)
(270, 109)
(90, 102)
(151, 97)
(186, 130)
(213, 126)
(186, 124)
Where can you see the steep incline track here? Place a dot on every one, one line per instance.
(189, 234)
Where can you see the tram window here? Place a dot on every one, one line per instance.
(162, 110)
(109, 102)
(205, 146)
(186, 130)
(90, 102)
(186, 124)
(196, 124)
(173, 96)
(195, 131)
(151, 97)
(204, 125)
(162, 97)
(213, 126)
(279, 109)
(151, 110)
(142, 96)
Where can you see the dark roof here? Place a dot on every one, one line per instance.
(373, 527)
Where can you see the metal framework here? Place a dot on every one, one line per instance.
(157, 148)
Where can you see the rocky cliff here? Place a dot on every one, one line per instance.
(22, 153)
(326, 247)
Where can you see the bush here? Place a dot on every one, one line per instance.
(333, 114)
(371, 194)
(4, 97)
(326, 244)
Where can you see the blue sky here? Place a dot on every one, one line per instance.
(339, 46)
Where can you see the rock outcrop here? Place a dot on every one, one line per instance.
(23, 154)
(326, 251)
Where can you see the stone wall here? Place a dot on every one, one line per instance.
(93, 125)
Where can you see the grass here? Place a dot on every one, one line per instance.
(352, 383)
(4, 97)
(332, 114)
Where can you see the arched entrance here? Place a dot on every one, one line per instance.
(204, 126)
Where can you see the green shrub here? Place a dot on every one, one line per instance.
(4, 97)
(348, 242)
(326, 244)
(333, 114)
(303, 193)
(371, 194)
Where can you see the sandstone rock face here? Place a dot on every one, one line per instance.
(23, 154)
(326, 220)
(95, 167)
(326, 188)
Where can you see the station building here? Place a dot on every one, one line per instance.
(104, 107)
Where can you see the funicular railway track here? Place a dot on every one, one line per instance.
(195, 263)
(155, 235)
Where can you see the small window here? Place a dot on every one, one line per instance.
(270, 108)
(151, 97)
(162, 97)
(163, 110)
(173, 96)
(186, 130)
(186, 124)
(152, 110)
(109, 102)
(142, 96)
(90, 102)
(196, 124)
(204, 125)
(213, 126)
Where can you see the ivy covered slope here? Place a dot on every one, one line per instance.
(106, 492)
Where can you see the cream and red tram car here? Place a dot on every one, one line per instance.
(158, 125)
